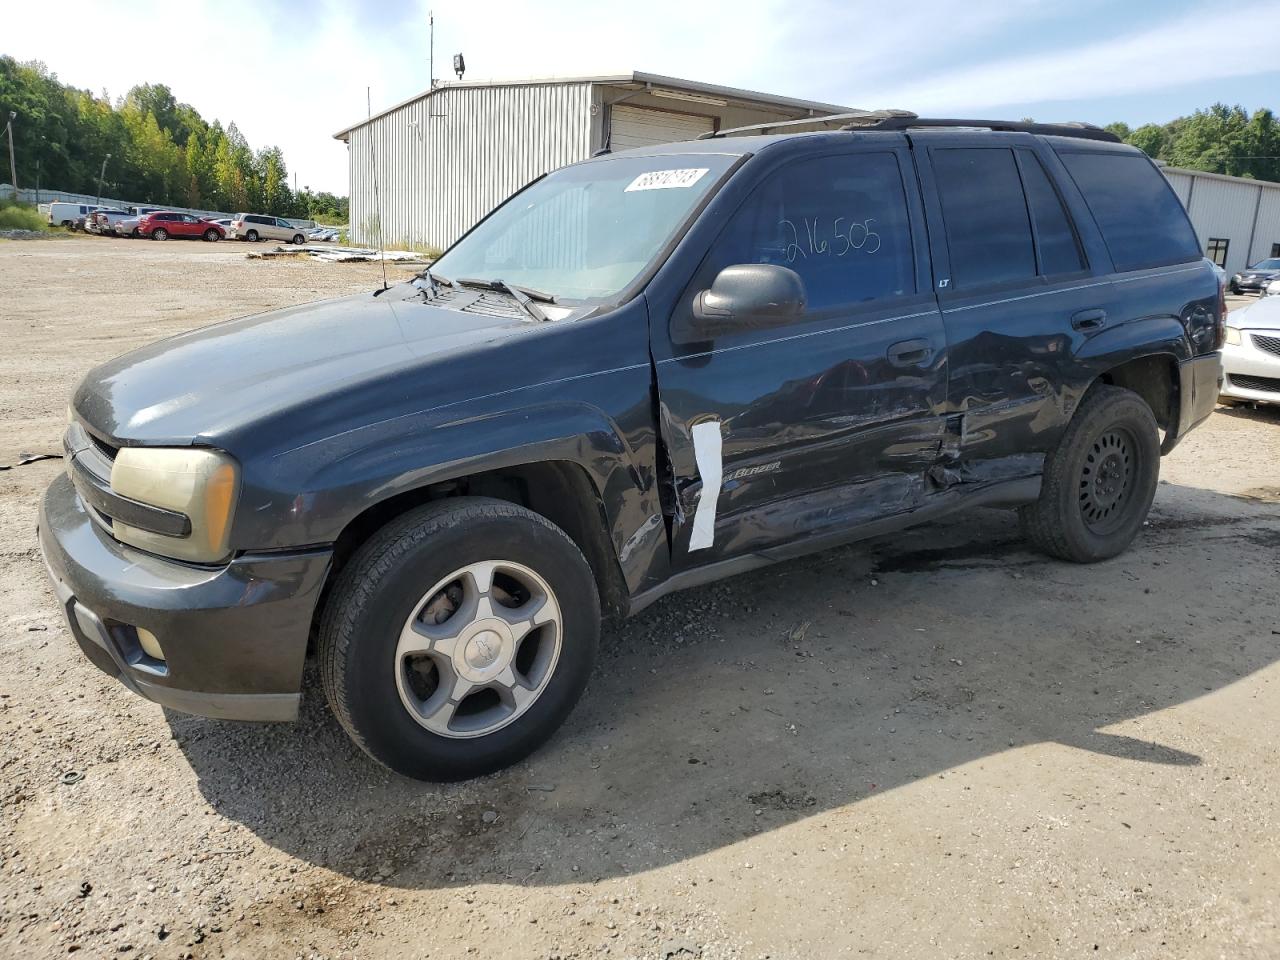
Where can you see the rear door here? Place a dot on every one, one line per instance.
(1017, 296)
(790, 433)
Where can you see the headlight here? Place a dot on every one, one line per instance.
(1233, 336)
(202, 484)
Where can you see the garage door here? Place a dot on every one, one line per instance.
(636, 127)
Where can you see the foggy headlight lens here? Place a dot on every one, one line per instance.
(1233, 336)
(203, 484)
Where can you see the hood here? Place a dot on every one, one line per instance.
(1262, 315)
(204, 386)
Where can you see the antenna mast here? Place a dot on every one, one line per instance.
(431, 55)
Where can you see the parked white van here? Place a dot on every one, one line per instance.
(65, 214)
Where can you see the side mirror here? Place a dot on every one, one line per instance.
(745, 296)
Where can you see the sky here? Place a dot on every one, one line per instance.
(293, 72)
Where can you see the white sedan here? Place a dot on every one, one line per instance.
(1251, 356)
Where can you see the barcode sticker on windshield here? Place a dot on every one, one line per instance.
(667, 179)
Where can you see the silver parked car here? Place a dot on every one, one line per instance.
(258, 226)
(1251, 356)
(128, 227)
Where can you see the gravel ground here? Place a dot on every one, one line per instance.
(934, 745)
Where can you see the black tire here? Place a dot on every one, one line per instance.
(159, 233)
(252, 236)
(378, 591)
(1232, 288)
(212, 235)
(299, 238)
(1099, 481)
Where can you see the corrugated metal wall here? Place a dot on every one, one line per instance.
(1266, 235)
(444, 161)
(1244, 212)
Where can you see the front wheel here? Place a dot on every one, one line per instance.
(299, 238)
(212, 235)
(1100, 480)
(457, 640)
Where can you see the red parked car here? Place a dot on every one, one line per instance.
(163, 224)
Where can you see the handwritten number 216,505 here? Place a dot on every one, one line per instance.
(807, 240)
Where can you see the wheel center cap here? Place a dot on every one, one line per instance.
(483, 649)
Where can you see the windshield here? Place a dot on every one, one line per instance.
(1272, 264)
(586, 231)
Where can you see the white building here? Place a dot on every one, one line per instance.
(1236, 219)
(432, 166)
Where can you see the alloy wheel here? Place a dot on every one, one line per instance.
(479, 649)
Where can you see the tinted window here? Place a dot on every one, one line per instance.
(1055, 239)
(985, 215)
(283, 223)
(839, 222)
(1137, 211)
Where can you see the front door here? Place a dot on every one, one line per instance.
(781, 435)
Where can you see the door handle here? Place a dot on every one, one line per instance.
(909, 353)
(1094, 319)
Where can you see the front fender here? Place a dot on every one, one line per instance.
(308, 494)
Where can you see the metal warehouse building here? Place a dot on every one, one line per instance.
(432, 166)
(439, 162)
(1237, 220)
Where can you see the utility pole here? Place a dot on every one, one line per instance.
(102, 173)
(13, 166)
(431, 54)
(37, 181)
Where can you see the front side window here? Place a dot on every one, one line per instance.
(587, 231)
(840, 222)
(1141, 218)
(985, 216)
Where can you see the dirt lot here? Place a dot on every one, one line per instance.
(934, 745)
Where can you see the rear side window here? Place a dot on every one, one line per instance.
(840, 222)
(1056, 240)
(1140, 217)
(985, 216)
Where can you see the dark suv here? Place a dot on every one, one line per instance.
(644, 372)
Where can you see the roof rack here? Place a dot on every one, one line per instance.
(860, 120)
(784, 126)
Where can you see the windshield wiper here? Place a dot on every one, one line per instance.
(524, 296)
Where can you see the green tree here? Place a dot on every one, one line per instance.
(162, 151)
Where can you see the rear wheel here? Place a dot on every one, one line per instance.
(1100, 480)
(459, 637)
(159, 233)
(252, 236)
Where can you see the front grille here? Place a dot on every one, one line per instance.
(1269, 344)
(1265, 384)
(106, 449)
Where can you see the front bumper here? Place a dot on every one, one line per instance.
(1251, 372)
(234, 637)
(1252, 283)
